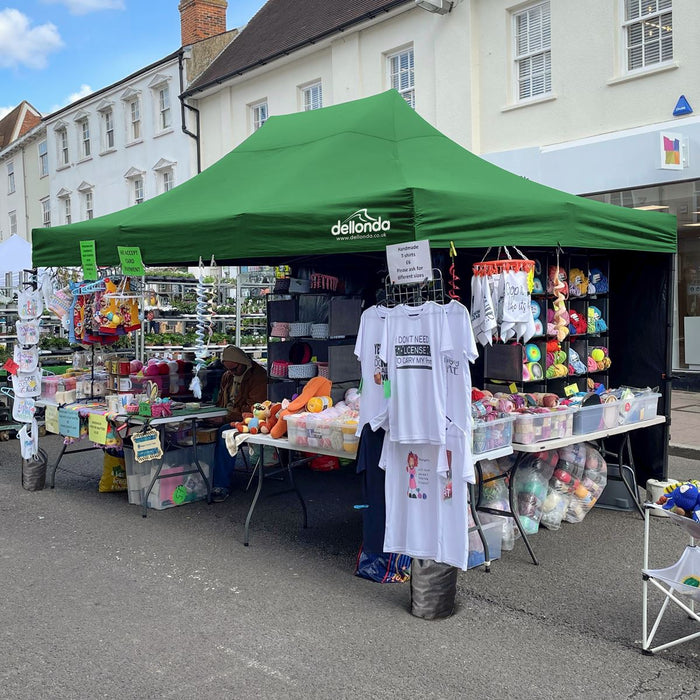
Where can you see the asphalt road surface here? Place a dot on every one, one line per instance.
(98, 602)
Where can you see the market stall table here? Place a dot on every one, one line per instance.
(178, 416)
(283, 444)
(545, 445)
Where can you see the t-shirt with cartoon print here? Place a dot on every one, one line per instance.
(414, 344)
(426, 499)
(369, 339)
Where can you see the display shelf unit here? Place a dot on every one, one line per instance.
(342, 315)
(251, 309)
(677, 583)
(503, 362)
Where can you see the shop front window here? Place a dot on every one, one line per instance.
(682, 199)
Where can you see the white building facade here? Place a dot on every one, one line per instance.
(119, 146)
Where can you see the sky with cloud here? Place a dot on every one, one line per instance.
(53, 52)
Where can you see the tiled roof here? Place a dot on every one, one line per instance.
(17, 123)
(283, 26)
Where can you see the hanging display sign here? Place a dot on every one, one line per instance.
(51, 419)
(68, 422)
(130, 259)
(409, 262)
(97, 428)
(88, 258)
(147, 446)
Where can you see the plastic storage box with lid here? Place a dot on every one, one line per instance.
(643, 406)
(314, 430)
(169, 490)
(589, 419)
(552, 425)
(493, 534)
(492, 435)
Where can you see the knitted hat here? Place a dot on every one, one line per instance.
(234, 354)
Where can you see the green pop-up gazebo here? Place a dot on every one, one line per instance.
(358, 176)
(350, 178)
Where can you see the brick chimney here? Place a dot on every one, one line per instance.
(201, 19)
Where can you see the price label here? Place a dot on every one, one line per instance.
(571, 389)
(68, 422)
(88, 259)
(130, 259)
(97, 428)
(51, 419)
(147, 446)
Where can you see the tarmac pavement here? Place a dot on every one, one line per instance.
(685, 424)
(98, 602)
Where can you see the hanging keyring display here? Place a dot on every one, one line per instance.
(205, 329)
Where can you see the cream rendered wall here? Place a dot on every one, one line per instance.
(591, 94)
(37, 187)
(350, 66)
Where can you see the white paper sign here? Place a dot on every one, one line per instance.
(409, 262)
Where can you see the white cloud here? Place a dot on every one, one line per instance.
(84, 91)
(4, 111)
(84, 7)
(24, 45)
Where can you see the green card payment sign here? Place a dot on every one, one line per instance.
(130, 259)
(88, 258)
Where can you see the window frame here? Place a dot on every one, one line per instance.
(307, 97)
(89, 202)
(519, 58)
(67, 210)
(165, 121)
(13, 222)
(46, 212)
(135, 131)
(43, 158)
(85, 147)
(108, 129)
(394, 76)
(11, 183)
(167, 180)
(642, 19)
(63, 146)
(256, 121)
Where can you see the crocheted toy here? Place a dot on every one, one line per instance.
(684, 499)
(596, 323)
(556, 281)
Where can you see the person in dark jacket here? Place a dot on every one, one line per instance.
(243, 384)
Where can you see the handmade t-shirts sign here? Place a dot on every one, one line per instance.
(373, 400)
(414, 344)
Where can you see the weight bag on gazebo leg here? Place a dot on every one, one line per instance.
(34, 472)
(433, 589)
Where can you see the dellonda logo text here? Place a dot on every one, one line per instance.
(361, 225)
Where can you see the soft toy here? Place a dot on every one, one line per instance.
(684, 499)
(318, 386)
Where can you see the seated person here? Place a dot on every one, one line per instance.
(243, 384)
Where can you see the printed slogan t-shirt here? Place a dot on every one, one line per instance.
(414, 343)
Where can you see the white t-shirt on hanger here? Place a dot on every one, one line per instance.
(369, 339)
(459, 380)
(415, 341)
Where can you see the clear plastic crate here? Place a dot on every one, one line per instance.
(169, 491)
(642, 407)
(536, 427)
(492, 435)
(314, 430)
